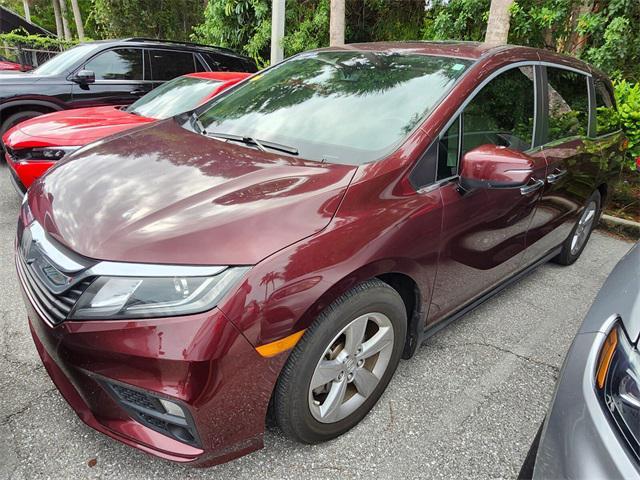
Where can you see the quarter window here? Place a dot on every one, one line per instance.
(568, 101)
(167, 64)
(448, 151)
(502, 113)
(606, 113)
(118, 64)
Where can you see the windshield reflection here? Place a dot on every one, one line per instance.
(339, 107)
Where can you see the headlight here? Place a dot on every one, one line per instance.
(50, 154)
(618, 384)
(110, 297)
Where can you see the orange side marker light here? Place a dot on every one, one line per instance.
(274, 348)
(605, 357)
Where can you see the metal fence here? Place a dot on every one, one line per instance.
(27, 56)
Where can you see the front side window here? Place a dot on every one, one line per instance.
(174, 97)
(568, 103)
(118, 64)
(167, 64)
(502, 113)
(66, 61)
(348, 107)
(606, 114)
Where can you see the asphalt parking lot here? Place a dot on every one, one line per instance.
(466, 406)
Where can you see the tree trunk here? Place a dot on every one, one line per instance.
(336, 23)
(498, 24)
(56, 12)
(27, 12)
(65, 22)
(77, 16)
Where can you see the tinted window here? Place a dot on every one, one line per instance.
(448, 151)
(118, 64)
(606, 114)
(166, 64)
(344, 107)
(502, 112)
(174, 97)
(216, 62)
(568, 104)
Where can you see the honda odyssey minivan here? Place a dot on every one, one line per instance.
(286, 244)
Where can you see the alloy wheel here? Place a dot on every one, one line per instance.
(583, 228)
(351, 367)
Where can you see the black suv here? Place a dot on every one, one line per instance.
(107, 72)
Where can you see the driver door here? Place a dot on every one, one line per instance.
(484, 229)
(120, 79)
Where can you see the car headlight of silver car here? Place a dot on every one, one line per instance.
(618, 384)
(128, 297)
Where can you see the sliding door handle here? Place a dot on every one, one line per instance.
(532, 187)
(556, 175)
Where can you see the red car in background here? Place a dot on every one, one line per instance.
(8, 65)
(35, 145)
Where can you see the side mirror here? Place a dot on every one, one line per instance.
(493, 166)
(84, 77)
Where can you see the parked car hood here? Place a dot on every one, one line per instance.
(73, 127)
(163, 194)
(620, 295)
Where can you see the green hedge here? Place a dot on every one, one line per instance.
(628, 99)
(20, 38)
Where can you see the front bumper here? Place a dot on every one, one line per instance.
(24, 173)
(578, 439)
(200, 361)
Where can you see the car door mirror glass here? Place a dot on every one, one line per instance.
(85, 76)
(494, 166)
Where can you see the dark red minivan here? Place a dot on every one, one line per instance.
(289, 242)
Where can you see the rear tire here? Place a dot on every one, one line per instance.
(351, 352)
(574, 244)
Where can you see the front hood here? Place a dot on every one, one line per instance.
(73, 127)
(163, 194)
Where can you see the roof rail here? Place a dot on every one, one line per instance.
(176, 42)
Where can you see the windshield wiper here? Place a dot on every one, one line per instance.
(196, 124)
(261, 144)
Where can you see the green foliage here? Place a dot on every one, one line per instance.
(165, 19)
(456, 20)
(628, 99)
(23, 39)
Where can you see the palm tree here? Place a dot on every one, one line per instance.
(65, 22)
(77, 16)
(336, 23)
(56, 12)
(498, 23)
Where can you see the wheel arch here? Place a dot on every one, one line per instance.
(402, 276)
(44, 106)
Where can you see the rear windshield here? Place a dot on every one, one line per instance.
(177, 96)
(339, 107)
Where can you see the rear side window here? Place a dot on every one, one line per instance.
(168, 64)
(117, 64)
(502, 112)
(568, 101)
(606, 114)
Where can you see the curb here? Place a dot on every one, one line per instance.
(621, 222)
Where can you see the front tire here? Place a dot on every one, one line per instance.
(342, 365)
(574, 245)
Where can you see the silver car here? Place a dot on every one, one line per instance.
(592, 429)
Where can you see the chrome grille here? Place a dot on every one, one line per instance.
(54, 307)
(52, 292)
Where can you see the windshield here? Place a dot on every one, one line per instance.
(65, 61)
(340, 107)
(177, 96)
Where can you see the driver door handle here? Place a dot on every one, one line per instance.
(527, 189)
(138, 91)
(557, 175)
